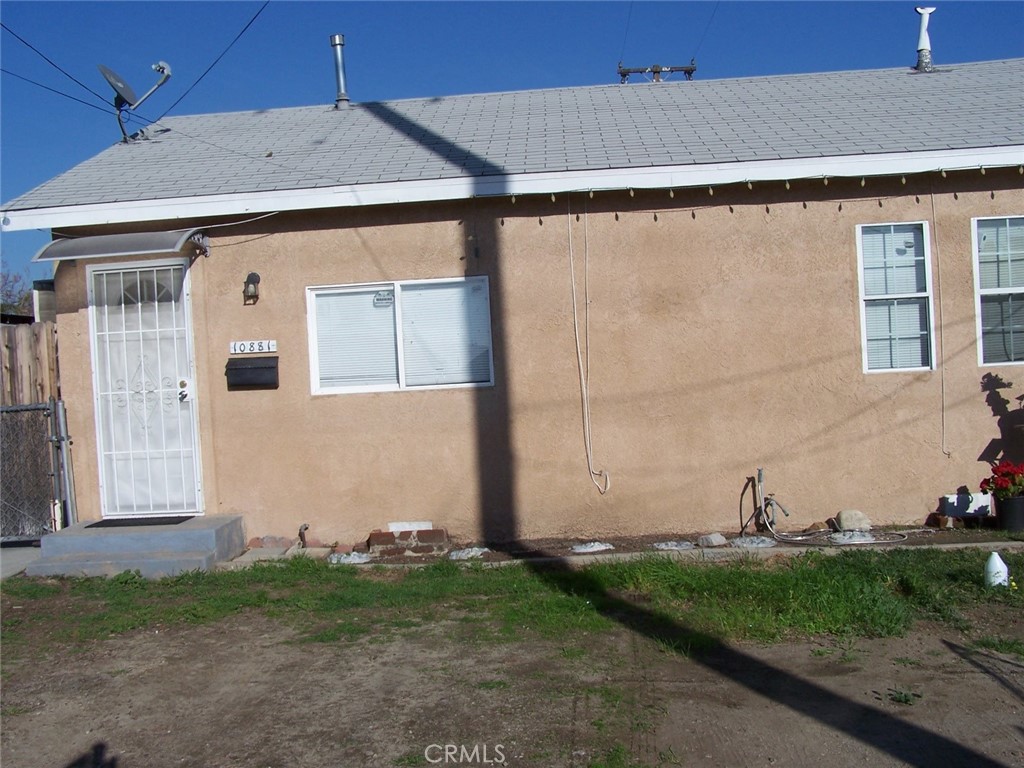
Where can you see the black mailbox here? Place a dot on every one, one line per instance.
(252, 373)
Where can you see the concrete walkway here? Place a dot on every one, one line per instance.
(14, 560)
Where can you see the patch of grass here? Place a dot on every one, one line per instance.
(848, 646)
(342, 630)
(1005, 645)
(14, 710)
(411, 759)
(668, 757)
(616, 757)
(492, 685)
(899, 696)
(767, 602)
(682, 607)
(30, 589)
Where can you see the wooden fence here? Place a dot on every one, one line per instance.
(28, 358)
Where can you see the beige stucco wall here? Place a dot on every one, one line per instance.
(724, 335)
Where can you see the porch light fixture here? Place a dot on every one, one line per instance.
(251, 292)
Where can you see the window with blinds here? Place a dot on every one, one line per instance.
(401, 335)
(896, 305)
(999, 278)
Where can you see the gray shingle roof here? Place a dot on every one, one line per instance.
(565, 129)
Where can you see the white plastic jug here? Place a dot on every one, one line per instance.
(996, 573)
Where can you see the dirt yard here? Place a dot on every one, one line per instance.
(248, 692)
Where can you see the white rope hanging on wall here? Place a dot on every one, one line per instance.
(600, 478)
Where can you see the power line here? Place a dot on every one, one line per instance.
(706, 28)
(52, 64)
(54, 90)
(625, 34)
(223, 53)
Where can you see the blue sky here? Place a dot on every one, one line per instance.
(396, 50)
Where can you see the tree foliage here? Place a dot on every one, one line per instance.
(15, 293)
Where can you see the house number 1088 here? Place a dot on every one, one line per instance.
(253, 347)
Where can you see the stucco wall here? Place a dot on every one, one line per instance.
(724, 335)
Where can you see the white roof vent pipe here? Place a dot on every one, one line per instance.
(924, 43)
(337, 43)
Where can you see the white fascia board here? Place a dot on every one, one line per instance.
(464, 187)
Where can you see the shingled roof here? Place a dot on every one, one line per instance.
(645, 134)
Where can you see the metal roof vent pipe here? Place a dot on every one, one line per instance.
(337, 43)
(924, 43)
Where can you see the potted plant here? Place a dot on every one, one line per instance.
(1006, 484)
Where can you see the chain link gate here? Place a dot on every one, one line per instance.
(36, 491)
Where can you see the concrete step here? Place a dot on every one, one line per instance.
(222, 534)
(153, 550)
(151, 565)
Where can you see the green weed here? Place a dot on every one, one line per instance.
(492, 685)
(411, 759)
(1005, 645)
(899, 696)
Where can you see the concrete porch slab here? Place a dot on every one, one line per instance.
(153, 550)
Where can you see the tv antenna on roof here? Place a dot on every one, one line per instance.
(126, 98)
(656, 71)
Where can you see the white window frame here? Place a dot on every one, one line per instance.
(397, 286)
(926, 295)
(979, 292)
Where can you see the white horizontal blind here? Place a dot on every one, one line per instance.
(1002, 328)
(446, 333)
(894, 260)
(355, 337)
(406, 334)
(897, 316)
(897, 333)
(1000, 255)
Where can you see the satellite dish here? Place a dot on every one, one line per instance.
(125, 97)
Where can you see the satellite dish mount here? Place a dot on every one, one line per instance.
(125, 97)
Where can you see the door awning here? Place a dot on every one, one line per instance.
(180, 241)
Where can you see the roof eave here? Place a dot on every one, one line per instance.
(465, 187)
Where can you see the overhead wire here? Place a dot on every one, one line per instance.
(54, 90)
(215, 61)
(52, 63)
(706, 28)
(157, 122)
(199, 139)
(625, 34)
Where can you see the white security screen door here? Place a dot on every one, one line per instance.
(142, 374)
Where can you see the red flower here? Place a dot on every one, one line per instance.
(1006, 480)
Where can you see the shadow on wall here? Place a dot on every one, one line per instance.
(909, 743)
(1009, 446)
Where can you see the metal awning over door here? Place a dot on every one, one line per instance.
(184, 242)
